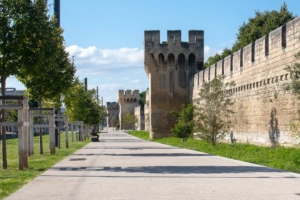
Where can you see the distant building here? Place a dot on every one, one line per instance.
(112, 113)
(12, 92)
(128, 100)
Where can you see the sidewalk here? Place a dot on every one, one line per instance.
(124, 167)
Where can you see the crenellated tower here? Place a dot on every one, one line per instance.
(127, 101)
(170, 67)
(112, 112)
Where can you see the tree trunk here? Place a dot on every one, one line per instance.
(4, 154)
(40, 129)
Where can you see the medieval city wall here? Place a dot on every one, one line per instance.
(127, 102)
(146, 112)
(263, 110)
(140, 118)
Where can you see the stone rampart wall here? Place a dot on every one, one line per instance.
(263, 110)
(140, 118)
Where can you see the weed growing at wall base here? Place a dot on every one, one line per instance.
(12, 179)
(287, 159)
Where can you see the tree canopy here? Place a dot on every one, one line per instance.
(47, 70)
(130, 119)
(212, 112)
(255, 28)
(83, 105)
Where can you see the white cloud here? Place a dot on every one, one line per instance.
(92, 60)
(208, 51)
(135, 81)
(227, 44)
(110, 87)
(96, 61)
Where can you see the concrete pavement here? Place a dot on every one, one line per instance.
(124, 167)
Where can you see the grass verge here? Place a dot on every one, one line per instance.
(287, 159)
(12, 179)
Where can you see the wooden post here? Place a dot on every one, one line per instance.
(22, 124)
(22, 136)
(77, 133)
(66, 131)
(81, 132)
(77, 126)
(84, 130)
(52, 132)
(36, 112)
(71, 126)
(30, 138)
(20, 142)
(25, 130)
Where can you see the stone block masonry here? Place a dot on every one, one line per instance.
(127, 102)
(170, 67)
(112, 112)
(263, 110)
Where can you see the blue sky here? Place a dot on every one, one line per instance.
(106, 36)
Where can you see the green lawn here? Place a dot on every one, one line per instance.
(283, 158)
(12, 179)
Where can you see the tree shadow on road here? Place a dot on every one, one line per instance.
(145, 154)
(174, 169)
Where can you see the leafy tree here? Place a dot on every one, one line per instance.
(11, 115)
(33, 103)
(255, 28)
(130, 119)
(83, 105)
(30, 46)
(294, 70)
(142, 99)
(95, 114)
(214, 59)
(46, 71)
(13, 13)
(260, 25)
(51, 72)
(184, 126)
(6, 49)
(212, 112)
(113, 120)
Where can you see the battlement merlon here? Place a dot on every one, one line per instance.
(196, 37)
(112, 104)
(129, 94)
(152, 38)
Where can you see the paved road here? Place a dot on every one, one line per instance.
(125, 167)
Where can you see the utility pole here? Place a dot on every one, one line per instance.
(102, 112)
(97, 95)
(57, 110)
(85, 84)
(57, 12)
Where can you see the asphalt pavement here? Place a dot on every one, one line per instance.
(121, 166)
